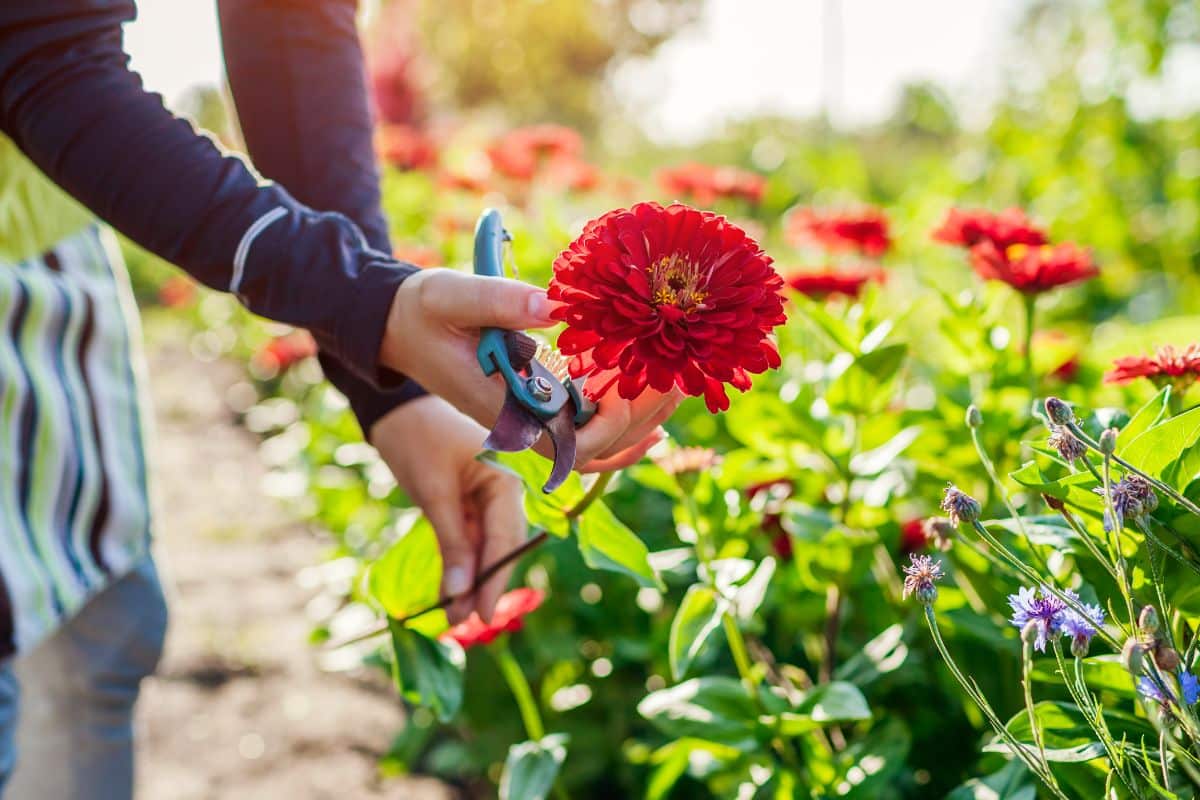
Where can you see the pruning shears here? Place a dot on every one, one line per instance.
(535, 399)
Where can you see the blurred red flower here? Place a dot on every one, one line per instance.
(284, 351)
(452, 179)
(520, 153)
(405, 147)
(419, 255)
(177, 291)
(660, 297)
(511, 609)
(1033, 270)
(864, 230)
(1167, 365)
(397, 95)
(703, 184)
(774, 493)
(967, 228)
(912, 536)
(573, 173)
(848, 281)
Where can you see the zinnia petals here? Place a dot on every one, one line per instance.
(1167, 365)
(667, 296)
(967, 228)
(1033, 270)
(865, 230)
(510, 613)
(846, 281)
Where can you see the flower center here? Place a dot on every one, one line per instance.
(675, 281)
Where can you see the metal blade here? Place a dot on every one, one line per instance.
(561, 428)
(515, 429)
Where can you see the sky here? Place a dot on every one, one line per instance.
(743, 56)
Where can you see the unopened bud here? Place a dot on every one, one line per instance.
(1108, 441)
(1059, 412)
(1131, 656)
(1080, 645)
(974, 418)
(1029, 634)
(1054, 502)
(1166, 658)
(1148, 620)
(960, 506)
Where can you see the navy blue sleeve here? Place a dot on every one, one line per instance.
(296, 71)
(70, 103)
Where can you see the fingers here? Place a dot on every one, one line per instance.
(646, 418)
(503, 516)
(473, 301)
(459, 557)
(627, 457)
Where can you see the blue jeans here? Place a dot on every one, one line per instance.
(73, 737)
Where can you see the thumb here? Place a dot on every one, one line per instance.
(474, 301)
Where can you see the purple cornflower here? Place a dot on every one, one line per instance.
(1080, 628)
(1044, 609)
(1151, 690)
(1191, 688)
(921, 577)
(1132, 498)
(959, 505)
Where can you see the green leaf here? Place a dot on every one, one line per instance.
(1013, 782)
(883, 654)
(1067, 736)
(428, 672)
(607, 544)
(543, 510)
(697, 617)
(408, 576)
(823, 705)
(531, 767)
(747, 597)
(864, 387)
(1099, 672)
(1164, 444)
(1148, 415)
(715, 707)
(873, 462)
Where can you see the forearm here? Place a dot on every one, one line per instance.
(69, 102)
(296, 73)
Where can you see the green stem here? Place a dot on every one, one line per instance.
(750, 680)
(1030, 318)
(990, 468)
(514, 676)
(1027, 685)
(1155, 482)
(1117, 526)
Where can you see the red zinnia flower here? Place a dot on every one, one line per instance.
(912, 536)
(660, 297)
(1168, 365)
(1033, 270)
(520, 153)
(399, 99)
(574, 174)
(846, 281)
(1009, 227)
(511, 609)
(703, 183)
(776, 492)
(405, 147)
(865, 230)
(467, 182)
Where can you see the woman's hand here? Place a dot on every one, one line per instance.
(432, 333)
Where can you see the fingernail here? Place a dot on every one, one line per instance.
(540, 305)
(458, 580)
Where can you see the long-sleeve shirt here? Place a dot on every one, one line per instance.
(70, 103)
(296, 71)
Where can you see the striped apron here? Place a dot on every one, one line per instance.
(74, 500)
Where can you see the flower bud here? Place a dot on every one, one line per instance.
(1148, 620)
(1108, 441)
(1131, 656)
(1080, 645)
(974, 418)
(940, 531)
(959, 506)
(1029, 634)
(1059, 412)
(1165, 657)
(1054, 502)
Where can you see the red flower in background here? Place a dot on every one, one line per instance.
(405, 147)
(398, 96)
(865, 230)
(774, 493)
(463, 181)
(1167, 365)
(704, 184)
(520, 153)
(511, 609)
(574, 174)
(967, 228)
(848, 281)
(418, 255)
(913, 538)
(1033, 270)
(177, 291)
(284, 351)
(660, 297)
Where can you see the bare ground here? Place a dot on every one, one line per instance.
(239, 707)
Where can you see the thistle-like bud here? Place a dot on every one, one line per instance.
(1131, 656)
(1148, 620)
(959, 506)
(1108, 441)
(1029, 634)
(1053, 502)
(1165, 657)
(1059, 412)
(974, 418)
(1080, 645)
(940, 531)
(1070, 448)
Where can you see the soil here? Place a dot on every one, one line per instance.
(241, 707)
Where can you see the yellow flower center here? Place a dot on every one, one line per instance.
(675, 281)
(1016, 252)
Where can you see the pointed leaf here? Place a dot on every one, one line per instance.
(607, 544)
(428, 672)
(531, 767)
(408, 576)
(697, 617)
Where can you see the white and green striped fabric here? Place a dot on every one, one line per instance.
(74, 499)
